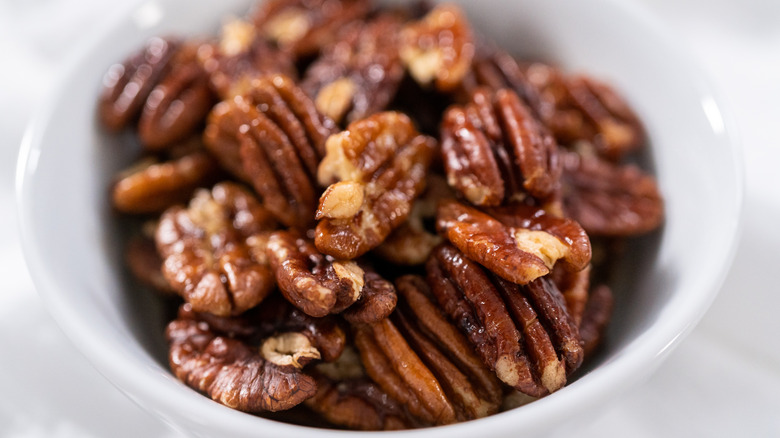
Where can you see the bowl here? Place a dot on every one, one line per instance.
(72, 240)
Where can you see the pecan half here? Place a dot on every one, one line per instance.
(495, 150)
(422, 361)
(439, 47)
(610, 199)
(359, 74)
(282, 139)
(207, 258)
(156, 186)
(303, 27)
(595, 318)
(178, 104)
(231, 372)
(221, 136)
(522, 333)
(377, 167)
(518, 243)
(126, 86)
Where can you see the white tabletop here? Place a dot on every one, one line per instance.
(723, 380)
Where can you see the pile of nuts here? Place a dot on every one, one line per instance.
(374, 214)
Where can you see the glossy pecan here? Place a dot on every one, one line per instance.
(282, 139)
(207, 254)
(421, 360)
(126, 86)
(359, 74)
(496, 151)
(595, 318)
(178, 104)
(303, 27)
(221, 136)
(518, 243)
(151, 187)
(439, 47)
(230, 371)
(240, 56)
(609, 199)
(376, 168)
(522, 333)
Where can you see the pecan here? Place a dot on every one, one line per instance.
(377, 300)
(231, 372)
(153, 187)
(221, 136)
(359, 74)
(518, 243)
(126, 86)
(145, 263)
(378, 165)
(439, 47)
(421, 360)
(240, 56)
(282, 139)
(303, 27)
(495, 150)
(574, 288)
(207, 257)
(610, 199)
(595, 318)
(522, 333)
(178, 104)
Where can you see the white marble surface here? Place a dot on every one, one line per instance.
(724, 380)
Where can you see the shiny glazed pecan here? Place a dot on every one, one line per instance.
(229, 370)
(376, 168)
(496, 151)
(522, 333)
(126, 86)
(439, 47)
(221, 136)
(359, 74)
(303, 27)
(178, 104)
(421, 360)
(518, 243)
(207, 254)
(610, 199)
(153, 187)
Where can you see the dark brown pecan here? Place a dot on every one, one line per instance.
(221, 136)
(377, 300)
(207, 254)
(595, 318)
(126, 86)
(178, 104)
(240, 56)
(574, 287)
(610, 199)
(303, 27)
(496, 151)
(153, 187)
(376, 168)
(522, 333)
(282, 139)
(231, 372)
(439, 47)
(518, 243)
(145, 263)
(359, 74)
(421, 360)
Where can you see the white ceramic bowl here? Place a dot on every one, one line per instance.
(71, 239)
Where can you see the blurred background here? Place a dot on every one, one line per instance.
(723, 381)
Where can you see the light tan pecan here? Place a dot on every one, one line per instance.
(178, 104)
(610, 199)
(375, 168)
(595, 318)
(126, 86)
(518, 243)
(496, 151)
(421, 360)
(206, 251)
(152, 187)
(358, 74)
(229, 370)
(439, 47)
(522, 333)
(303, 27)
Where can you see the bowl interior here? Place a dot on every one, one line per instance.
(73, 241)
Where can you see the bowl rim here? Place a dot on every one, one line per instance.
(140, 382)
